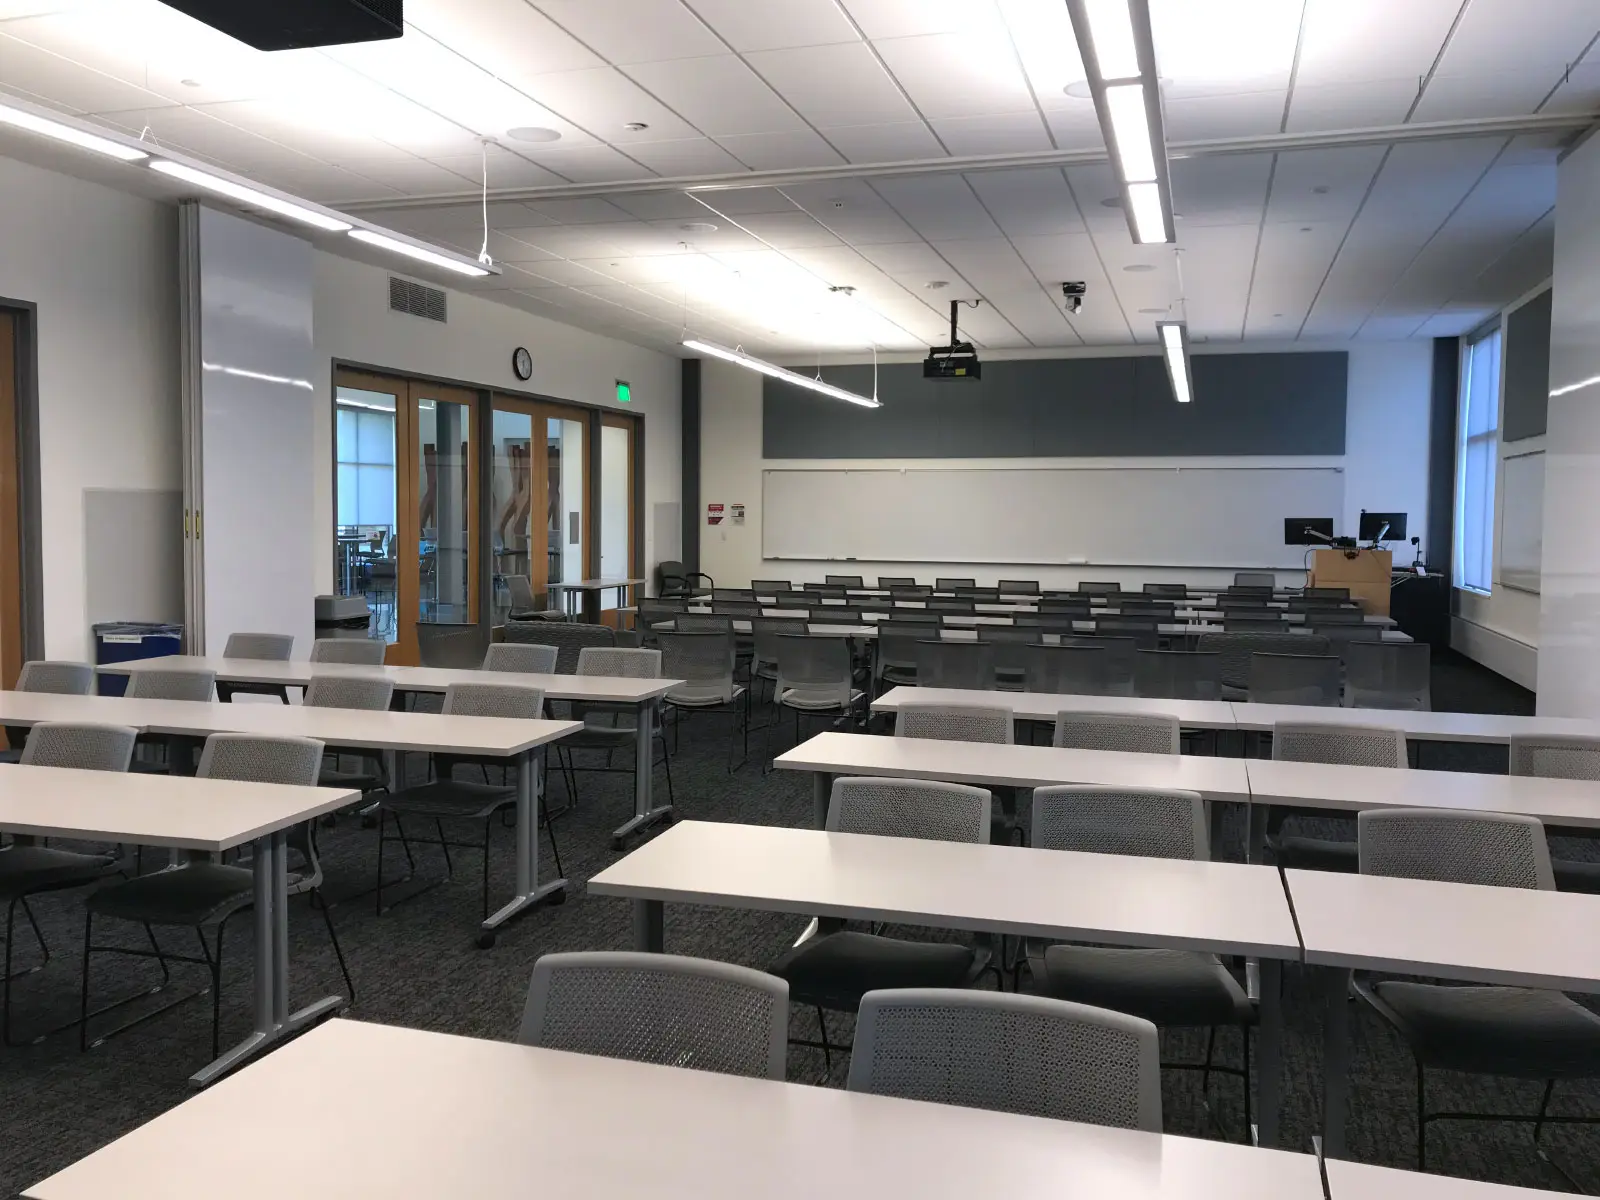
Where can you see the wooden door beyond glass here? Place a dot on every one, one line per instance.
(538, 522)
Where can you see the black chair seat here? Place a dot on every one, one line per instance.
(451, 798)
(197, 894)
(25, 869)
(1315, 854)
(837, 969)
(1167, 987)
(1518, 1032)
(357, 780)
(900, 676)
(1576, 875)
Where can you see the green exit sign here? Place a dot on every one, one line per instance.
(624, 392)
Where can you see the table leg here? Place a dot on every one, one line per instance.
(1335, 1060)
(273, 1020)
(1269, 1045)
(530, 892)
(821, 796)
(591, 606)
(648, 921)
(1257, 849)
(645, 812)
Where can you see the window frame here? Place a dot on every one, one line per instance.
(1477, 452)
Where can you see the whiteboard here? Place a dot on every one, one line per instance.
(1107, 516)
(1522, 521)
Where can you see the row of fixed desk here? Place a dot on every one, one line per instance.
(458, 1116)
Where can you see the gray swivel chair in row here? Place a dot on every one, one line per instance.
(1132, 733)
(816, 678)
(988, 724)
(706, 663)
(163, 683)
(1177, 675)
(1346, 745)
(367, 693)
(610, 728)
(263, 647)
(360, 651)
(50, 677)
(1563, 757)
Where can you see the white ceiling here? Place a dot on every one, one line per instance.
(1352, 241)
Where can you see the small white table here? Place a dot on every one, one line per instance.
(643, 694)
(1214, 907)
(210, 815)
(831, 754)
(1362, 1181)
(590, 590)
(419, 1116)
(1512, 936)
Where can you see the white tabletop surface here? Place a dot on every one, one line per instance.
(1214, 778)
(352, 1111)
(1043, 706)
(1361, 1181)
(1226, 908)
(154, 810)
(421, 732)
(1458, 931)
(298, 673)
(1424, 726)
(593, 585)
(1319, 785)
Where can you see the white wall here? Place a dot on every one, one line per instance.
(356, 325)
(1569, 611)
(102, 266)
(1385, 463)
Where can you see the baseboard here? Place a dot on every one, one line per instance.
(1504, 655)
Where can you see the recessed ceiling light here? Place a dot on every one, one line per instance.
(533, 133)
(190, 82)
(698, 227)
(636, 126)
(1305, 229)
(1138, 268)
(1079, 90)
(1153, 311)
(1322, 189)
(933, 285)
(1111, 202)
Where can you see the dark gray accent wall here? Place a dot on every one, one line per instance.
(690, 405)
(1068, 408)
(1526, 397)
(1439, 537)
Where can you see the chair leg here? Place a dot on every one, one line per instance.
(487, 825)
(83, 997)
(214, 965)
(327, 918)
(1544, 1106)
(1422, 1123)
(827, 1050)
(666, 765)
(1205, 1069)
(1249, 1116)
(550, 829)
(449, 869)
(378, 907)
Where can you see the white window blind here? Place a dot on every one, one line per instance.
(1477, 455)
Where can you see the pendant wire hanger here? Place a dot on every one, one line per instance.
(484, 256)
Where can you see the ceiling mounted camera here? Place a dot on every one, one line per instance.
(1072, 294)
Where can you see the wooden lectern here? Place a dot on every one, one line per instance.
(1366, 575)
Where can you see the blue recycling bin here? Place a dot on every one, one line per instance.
(122, 641)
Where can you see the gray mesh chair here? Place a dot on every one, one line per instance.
(1018, 587)
(815, 678)
(1235, 648)
(955, 723)
(1382, 674)
(1173, 988)
(849, 581)
(1136, 733)
(1309, 679)
(369, 694)
(705, 662)
(1562, 757)
(1178, 591)
(265, 647)
(835, 970)
(1069, 670)
(447, 798)
(524, 605)
(1121, 653)
(948, 664)
(659, 1008)
(1264, 579)
(894, 663)
(770, 587)
(1009, 1053)
(1098, 588)
(367, 652)
(1145, 632)
(159, 683)
(765, 632)
(569, 638)
(520, 658)
(1177, 675)
(610, 727)
(203, 894)
(1340, 745)
(55, 678)
(1013, 651)
(30, 868)
(456, 647)
(949, 583)
(1507, 1032)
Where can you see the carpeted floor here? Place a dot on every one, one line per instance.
(417, 966)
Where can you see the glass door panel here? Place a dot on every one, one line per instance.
(446, 495)
(366, 503)
(516, 539)
(566, 514)
(617, 557)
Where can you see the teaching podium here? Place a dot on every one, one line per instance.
(1366, 575)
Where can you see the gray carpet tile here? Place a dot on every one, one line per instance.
(417, 966)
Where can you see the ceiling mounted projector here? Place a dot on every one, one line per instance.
(298, 24)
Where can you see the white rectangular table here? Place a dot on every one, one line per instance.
(1043, 706)
(590, 590)
(1362, 1181)
(1512, 936)
(1215, 907)
(516, 741)
(831, 754)
(368, 1112)
(210, 815)
(643, 694)
(1493, 728)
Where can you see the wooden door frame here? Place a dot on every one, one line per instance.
(404, 493)
(630, 423)
(410, 523)
(24, 572)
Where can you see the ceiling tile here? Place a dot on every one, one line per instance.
(833, 85)
(959, 74)
(1229, 190)
(1494, 33)
(660, 206)
(938, 207)
(1245, 114)
(415, 178)
(687, 156)
(790, 230)
(1028, 203)
(580, 210)
(1201, 52)
(1351, 105)
(506, 169)
(1061, 257)
(1312, 186)
(744, 200)
(333, 185)
(1365, 41)
(904, 141)
(1041, 34)
(781, 151)
(604, 101)
(1015, 133)
(508, 38)
(588, 164)
(26, 68)
(1217, 268)
(1077, 127)
(1457, 97)
(633, 31)
(746, 26)
(989, 264)
(199, 131)
(719, 95)
(912, 18)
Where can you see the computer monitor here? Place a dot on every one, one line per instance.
(1382, 527)
(1295, 531)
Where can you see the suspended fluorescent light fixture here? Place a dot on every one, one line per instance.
(740, 358)
(1175, 349)
(245, 194)
(437, 258)
(21, 117)
(1119, 57)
